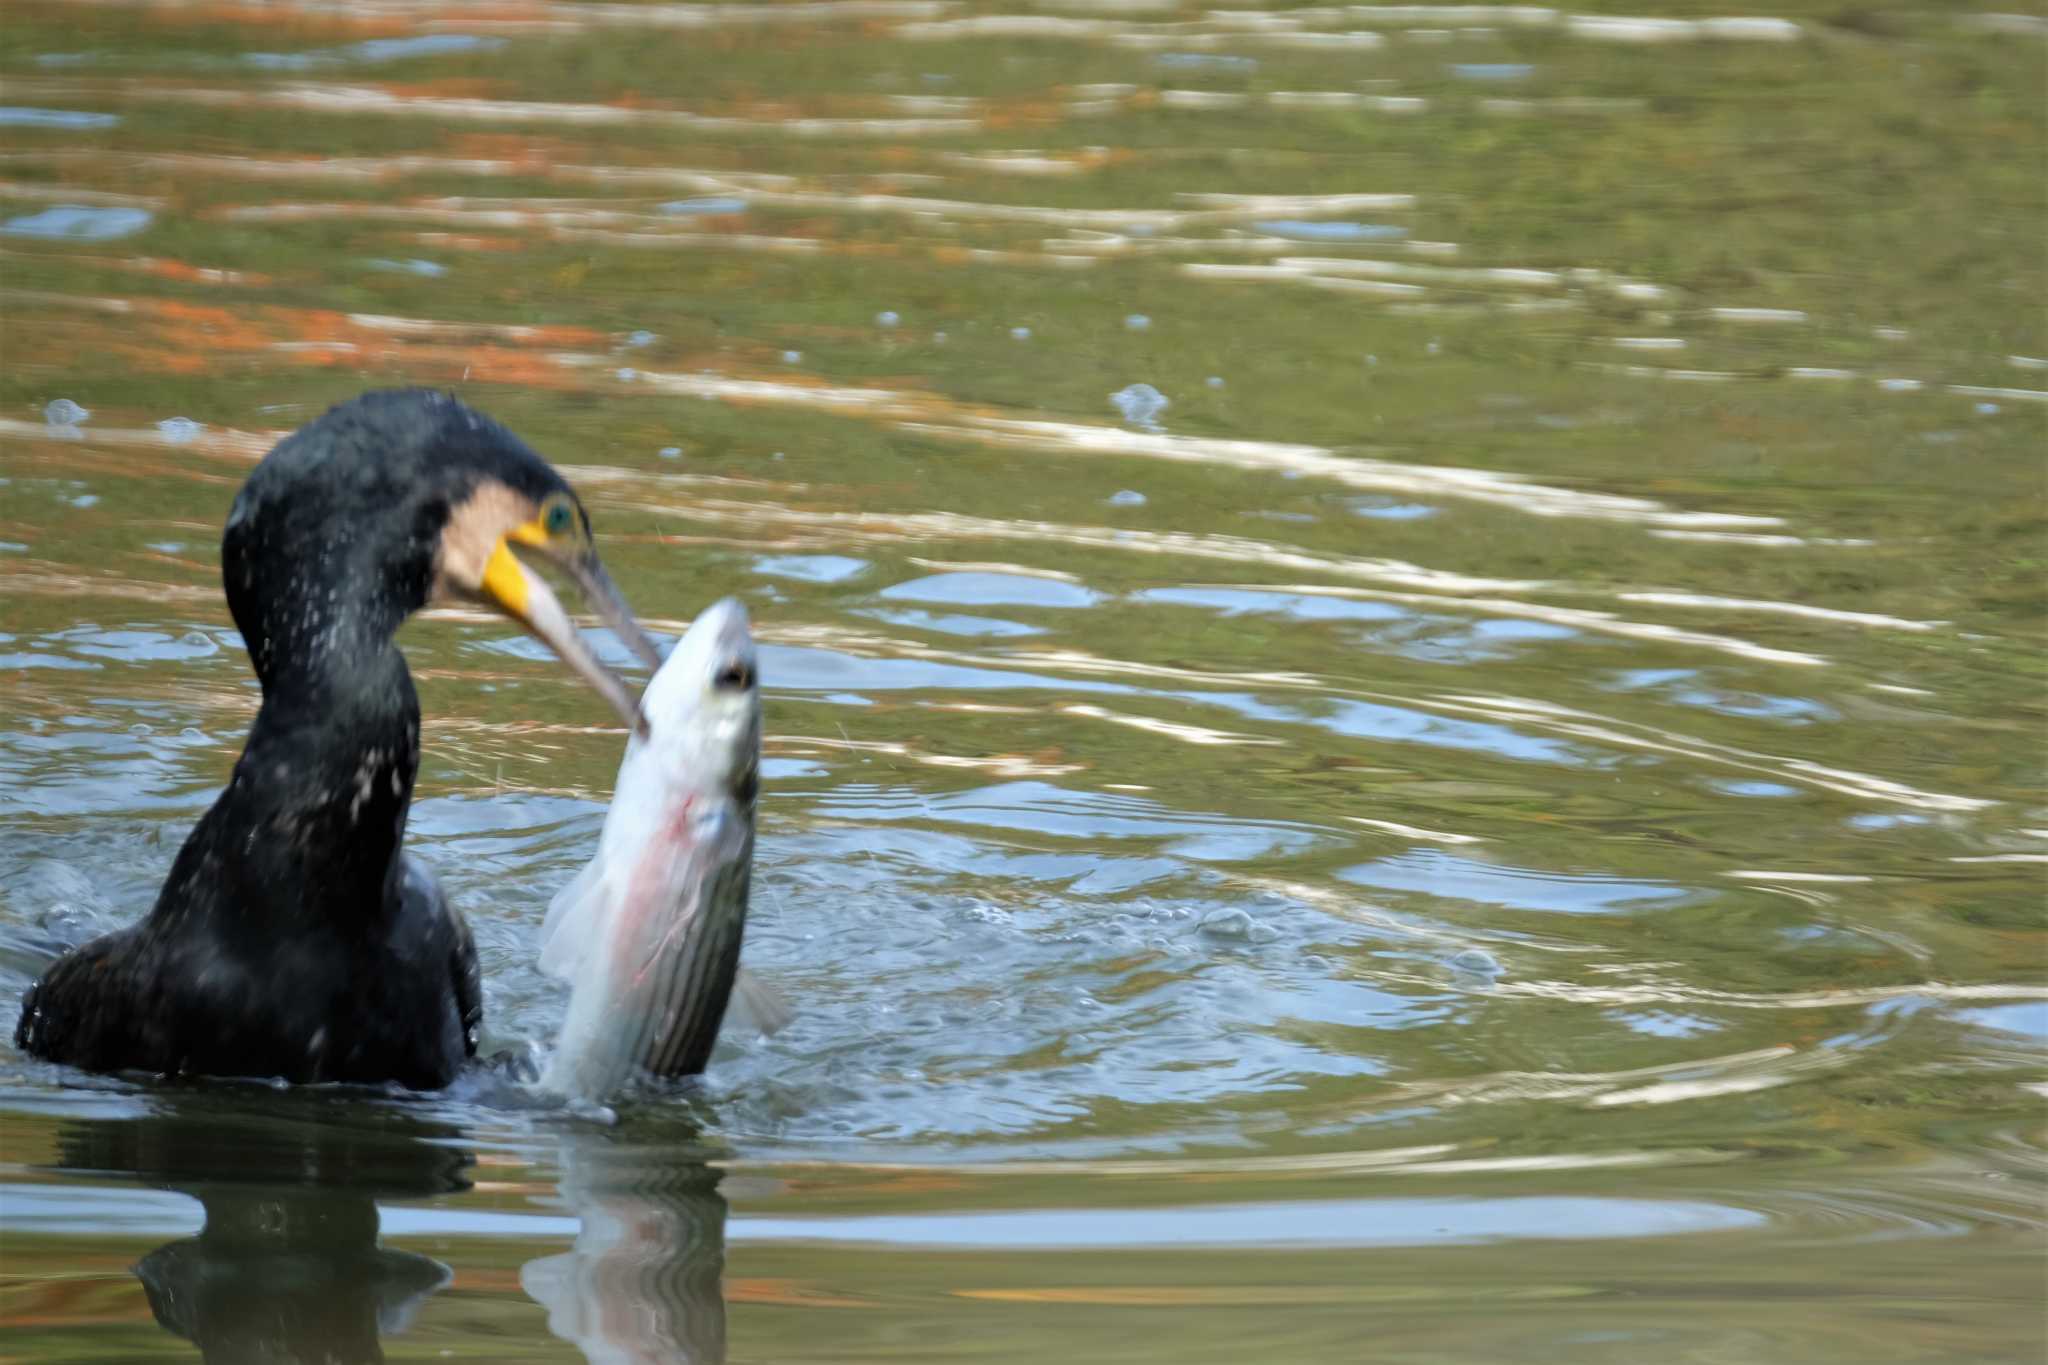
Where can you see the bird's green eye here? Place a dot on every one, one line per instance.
(559, 519)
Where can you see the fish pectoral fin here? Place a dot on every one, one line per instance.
(571, 922)
(757, 1005)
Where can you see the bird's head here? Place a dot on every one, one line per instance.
(398, 498)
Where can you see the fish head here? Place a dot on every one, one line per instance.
(703, 706)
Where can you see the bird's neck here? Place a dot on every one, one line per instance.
(319, 798)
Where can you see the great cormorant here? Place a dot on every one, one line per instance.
(293, 937)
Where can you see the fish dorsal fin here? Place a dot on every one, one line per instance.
(572, 921)
(576, 916)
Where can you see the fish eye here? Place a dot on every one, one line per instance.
(737, 676)
(559, 518)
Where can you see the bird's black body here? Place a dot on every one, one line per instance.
(293, 938)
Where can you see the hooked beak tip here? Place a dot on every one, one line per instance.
(515, 590)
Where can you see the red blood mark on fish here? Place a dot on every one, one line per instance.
(651, 889)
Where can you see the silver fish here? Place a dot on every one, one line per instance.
(648, 934)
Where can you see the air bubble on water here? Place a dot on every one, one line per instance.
(180, 430)
(627, 375)
(1435, 347)
(641, 338)
(1137, 322)
(939, 338)
(63, 413)
(792, 357)
(887, 318)
(1987, 409)
(1020, 333)
(1477, 962)
(670, 452)
(1140, 405)
(1228, 924)
(1214, 381)
(1127, 497)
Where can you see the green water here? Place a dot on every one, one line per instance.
(1504, 822)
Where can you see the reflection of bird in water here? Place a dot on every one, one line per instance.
(293, 937)
(287, 1267)
(641, 1285)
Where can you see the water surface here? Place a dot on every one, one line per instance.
(1502, 821)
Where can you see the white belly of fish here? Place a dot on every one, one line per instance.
(648, 936)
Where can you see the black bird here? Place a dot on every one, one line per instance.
(293, 937)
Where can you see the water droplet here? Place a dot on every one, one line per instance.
(1140, 405)
(62, 412)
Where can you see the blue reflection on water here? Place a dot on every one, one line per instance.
(1301, 606)
(993, 589)
(1311, 230)
(373, 51)
(1516, 888)
(17, 116)
(79, 223)
(710, 204)
(1042, 808)
(811, 568)
(1348, 1222)
(952, 623)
